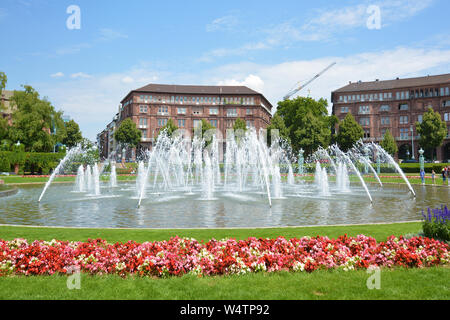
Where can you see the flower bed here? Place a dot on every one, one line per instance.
(180, 256)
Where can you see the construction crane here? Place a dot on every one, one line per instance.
(294, 91)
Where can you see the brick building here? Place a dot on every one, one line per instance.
(151, 106)
(396, 105)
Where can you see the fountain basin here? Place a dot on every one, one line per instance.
(184, 207)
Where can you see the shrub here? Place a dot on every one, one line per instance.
(437, 223)
(5, 165)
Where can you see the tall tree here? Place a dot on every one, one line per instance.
(432, 130)
(73, 134)
(35, 123)
(169, 128)
(3, 81)
(239, 124)
(307, 122)
(127, 133)
(277, 123)
(349, 132)
(388, 143)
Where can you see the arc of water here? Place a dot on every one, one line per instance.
(397, 167)
(57, 170)
(263, 156)
(145, 179)
(347, 159)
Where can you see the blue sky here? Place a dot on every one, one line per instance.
(266, 45)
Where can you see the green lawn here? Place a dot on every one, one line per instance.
(399, 283)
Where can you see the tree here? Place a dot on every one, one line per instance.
(73, 134)
(388, 143)
(277, 123)
(239, 124)
(432, 130)
(3, 81)
(127, 133)
(349, 132)
(169, 128)
(307, 123)
(35, 123)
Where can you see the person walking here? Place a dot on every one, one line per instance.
(422, 175)
(433, 175)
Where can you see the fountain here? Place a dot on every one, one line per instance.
(183, 182)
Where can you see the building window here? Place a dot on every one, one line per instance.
(249, 111)
(446, 116)
(404, 120)
(403, 107)
(344, 109)
(364, 121)
(249, 124)
(385, 121)
(181, 110)
(144, 134)
(385, 107)
(366, 133)
(143, 109)
(404, 133)
(197, 111)
(181, 123)
(383, 132)
(420, 118)
(213, 123)
(231, 113)
(197, 123)
(162, 122)
(214, 111)
(364, 109)
(446, 103)
(142, 122)
(163, 110)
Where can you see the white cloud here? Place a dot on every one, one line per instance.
(109, 35)
(57, 75)
(324, 25)
(92, 102)
(222, 24)
(127, 79)
(80, 75)
(251, 81)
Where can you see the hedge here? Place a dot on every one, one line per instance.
(33, 162)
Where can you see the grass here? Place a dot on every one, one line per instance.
(420, 284)
(398, 283)
(380, 232)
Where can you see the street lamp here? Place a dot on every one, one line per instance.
(412, 140)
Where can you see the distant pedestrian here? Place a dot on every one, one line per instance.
(444, 175)
(422, 175)
(433, 176)
(448, 176)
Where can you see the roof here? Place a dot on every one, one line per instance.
(195, 89)
(396, 83)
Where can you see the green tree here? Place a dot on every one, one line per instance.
(307, 123)
(35, 123)
(73, 134)
(432, 130)
(277, 123)
(127, 133)
(3, 81)
(388, 143)
(239, 124)
(349, 132)
(170, 128)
